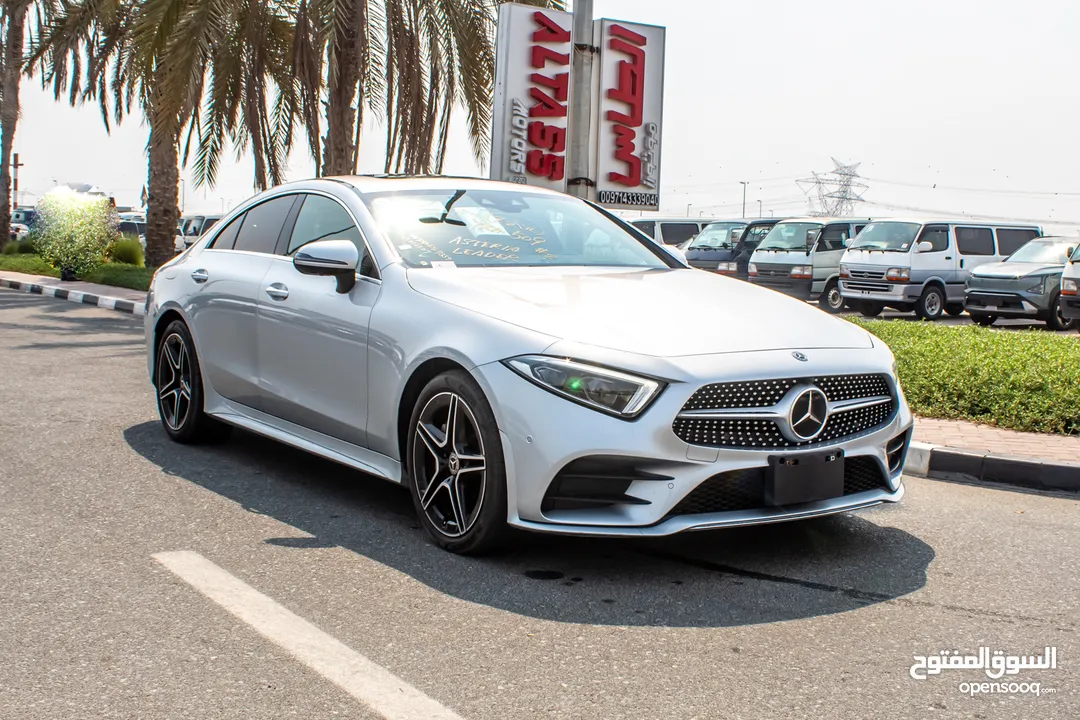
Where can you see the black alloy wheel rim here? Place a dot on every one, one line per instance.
(174, 381)
(449, 465)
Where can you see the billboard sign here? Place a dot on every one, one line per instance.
(532, 96)
(629, 125)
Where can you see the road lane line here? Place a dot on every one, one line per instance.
(371, 684)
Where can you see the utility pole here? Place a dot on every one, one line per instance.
(744, 183)
(760, 212)
(15, 165)
(581, 183)
(688, 206)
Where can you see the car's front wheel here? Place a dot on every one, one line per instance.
(1057, 321)
(831, 300)
(179, 389)
(868, 308)
(456, 470)
(932, 303)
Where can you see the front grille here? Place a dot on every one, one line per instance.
(992, 283)
(775, 271)
(745, 489)
(764, 434)
(867, 274)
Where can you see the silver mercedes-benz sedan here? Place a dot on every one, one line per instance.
(519, 358)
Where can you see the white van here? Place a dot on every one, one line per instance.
(671, 230)
(921, 265)
(1070, 289)
(801, 257)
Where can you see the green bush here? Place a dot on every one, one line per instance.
(127, 250)
(27, 246)
(75, 230)
(1026, 381)
(11, 248)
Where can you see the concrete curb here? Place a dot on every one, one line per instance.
(946, 463)
(76, 296)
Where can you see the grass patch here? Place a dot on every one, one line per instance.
(115, 274)
(1028, 381)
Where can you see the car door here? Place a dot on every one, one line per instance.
(223, 305)
(974, 247)
(828, 251)
(312, 339)
(939, 261)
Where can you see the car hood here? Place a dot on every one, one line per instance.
(1014, 270)
(661, 313)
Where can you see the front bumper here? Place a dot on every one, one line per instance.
(801, 288)
(1070, 307)
(542, 434)
(1006, 302)
(881, 291)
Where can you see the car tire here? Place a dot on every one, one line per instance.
(831, 301)
(982, 319)
(178, 381)
(457, 473)
(1056, 321)
(954, 309)
(931, 304)
(870, 309)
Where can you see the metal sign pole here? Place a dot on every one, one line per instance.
(581, 182)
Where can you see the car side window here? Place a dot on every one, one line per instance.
(975, 241)
(1009, 240)
(262, 225)
(646, 226)
(676, 233)
(227, 237)
(321, 218)
(936, 235)
(833, 237)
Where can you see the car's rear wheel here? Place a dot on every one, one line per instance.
(983, 319)
(932, 303)
(456, 470)
(870, 309)
(831, 300)
(1057, 321)
(179, 389)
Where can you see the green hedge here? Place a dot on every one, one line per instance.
(1027, 380)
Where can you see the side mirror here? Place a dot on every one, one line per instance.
(925, 246)
(333, 258)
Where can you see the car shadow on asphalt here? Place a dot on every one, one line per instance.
(734, 577)
(68, 319)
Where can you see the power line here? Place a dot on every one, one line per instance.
(837, 190)
(953, 214)
(733, 183)
(935, 186)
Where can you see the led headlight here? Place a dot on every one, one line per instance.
(1038, 288)
(608, 391)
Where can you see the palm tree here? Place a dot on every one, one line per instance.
(168, 55)
(13, 23)
(411, 61)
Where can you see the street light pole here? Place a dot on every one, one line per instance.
(688, 206)
(760, 212)
(581, 182)
(744, 184)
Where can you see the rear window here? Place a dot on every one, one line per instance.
(678, 233)
(646, 226)
(1009, 240)
(975, 241)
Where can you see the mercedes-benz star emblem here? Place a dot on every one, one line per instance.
(799, 356)
(808, 414)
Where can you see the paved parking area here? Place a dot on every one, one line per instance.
(112, 606)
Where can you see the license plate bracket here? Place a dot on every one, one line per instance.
(804, 478)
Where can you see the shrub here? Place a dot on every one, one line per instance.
(75, 230)
(11, 248)
(127, 250)
(27, 245)
(1018, 380)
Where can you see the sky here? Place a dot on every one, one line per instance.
(952, 107)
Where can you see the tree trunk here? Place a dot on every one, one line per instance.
(162, 213)
(339, 147)
(9, 111)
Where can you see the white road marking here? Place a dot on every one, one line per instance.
(378, 688)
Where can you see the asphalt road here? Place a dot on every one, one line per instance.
(816, 619)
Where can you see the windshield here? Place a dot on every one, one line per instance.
(788, 236)
(717, 235)
(500, 228)
(891, 236)
(1051, 252)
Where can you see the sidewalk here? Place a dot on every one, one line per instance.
(960, 446)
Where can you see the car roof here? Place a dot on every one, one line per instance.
(957, 221)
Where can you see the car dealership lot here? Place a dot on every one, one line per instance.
(819, 618)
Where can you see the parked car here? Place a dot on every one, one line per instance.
(712, 245)
(192, 228)
(801, 257)
(671, 230)
(443, 334)
(1070, 289)
(131, 227)
(1026, 285)
(19, 231)
(25, 216)
(922, 265)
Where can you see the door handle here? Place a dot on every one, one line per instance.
(278, 291)
(948, 257)
(961, 263)
(200, 276)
